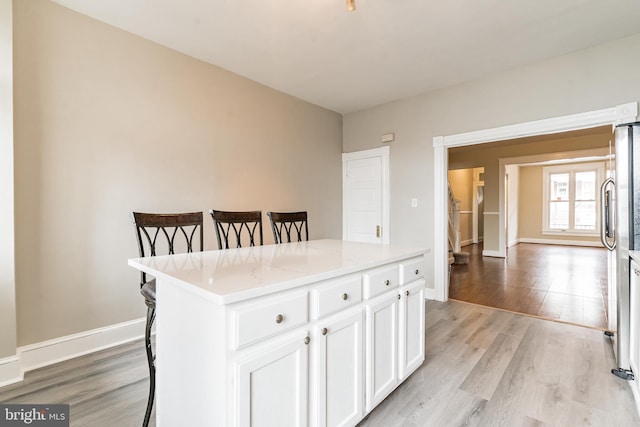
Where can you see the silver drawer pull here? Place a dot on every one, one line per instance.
(416, 271)
(279, 318)
(307, 340)
(407, 293)
(324, 331)
(387, 282)
(345, 296)
(399, 296)
(636, 272)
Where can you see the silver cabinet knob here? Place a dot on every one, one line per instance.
(279, 318)
(416, 271)
(345, 296)
(387, 282)
(407, 293)
(307, 340)
(398, 296)
(324, 331)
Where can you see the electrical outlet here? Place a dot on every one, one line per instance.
(414, 203)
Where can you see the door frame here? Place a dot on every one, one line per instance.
(477, 183)
(383, 153)
(608, 116)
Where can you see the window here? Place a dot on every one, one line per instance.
(570, 198)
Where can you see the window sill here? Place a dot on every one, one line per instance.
(570, 233)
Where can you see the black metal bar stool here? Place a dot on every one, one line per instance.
(162, 234)
(288, 225)
(232, 227)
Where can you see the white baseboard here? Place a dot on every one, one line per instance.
(429, 293)
(10, 371)
(494, 254)
(64, 348)
(466, 242)
(561, 242)
(513, 243)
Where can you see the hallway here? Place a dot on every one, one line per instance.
(562, 283)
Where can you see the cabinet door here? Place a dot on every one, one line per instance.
(634, 292)
(272, 384)
(381, 353)
(411, 328)
(338, 378)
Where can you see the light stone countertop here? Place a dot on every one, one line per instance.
(234, 275)
(635, 255)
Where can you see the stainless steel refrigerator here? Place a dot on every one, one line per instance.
(620, 233)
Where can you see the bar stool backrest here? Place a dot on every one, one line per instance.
(237, 229)
(289, 226)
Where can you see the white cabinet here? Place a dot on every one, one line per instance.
(273, 384)
(339, 370)
(308, 334)
(411, 326)
(381, 348)
(394, 329)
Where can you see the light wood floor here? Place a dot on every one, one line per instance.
(107, 388)
(563, 283)
(484, 367)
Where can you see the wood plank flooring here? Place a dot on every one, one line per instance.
(484, 367)
(562, 283)
(108, 388)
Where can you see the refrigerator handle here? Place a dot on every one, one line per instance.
(607, 235)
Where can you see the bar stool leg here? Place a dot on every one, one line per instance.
(151, 315)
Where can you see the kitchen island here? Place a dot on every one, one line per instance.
(311, 333)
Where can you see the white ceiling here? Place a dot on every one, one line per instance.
(385, 50)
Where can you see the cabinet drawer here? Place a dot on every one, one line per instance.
(334, 296)
(265, 318)
(411, 269)
(380, 280)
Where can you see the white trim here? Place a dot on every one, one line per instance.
(366, 154)
(10, 371)
(465, 212)
(383, 153)
(429, 293)
(8, 322)
(560, 242)
(607, 116)
(440, 215)
(477, 183)
(466, 242)
(569, 233)
(490, 213)
(493, 254)
(64, 348)
(610, 116)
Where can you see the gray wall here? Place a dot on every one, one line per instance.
(596, 78)
(107, 123)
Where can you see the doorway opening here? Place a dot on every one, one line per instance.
(442, 144)
(550, 269)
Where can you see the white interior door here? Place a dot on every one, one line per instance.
(365, 196)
